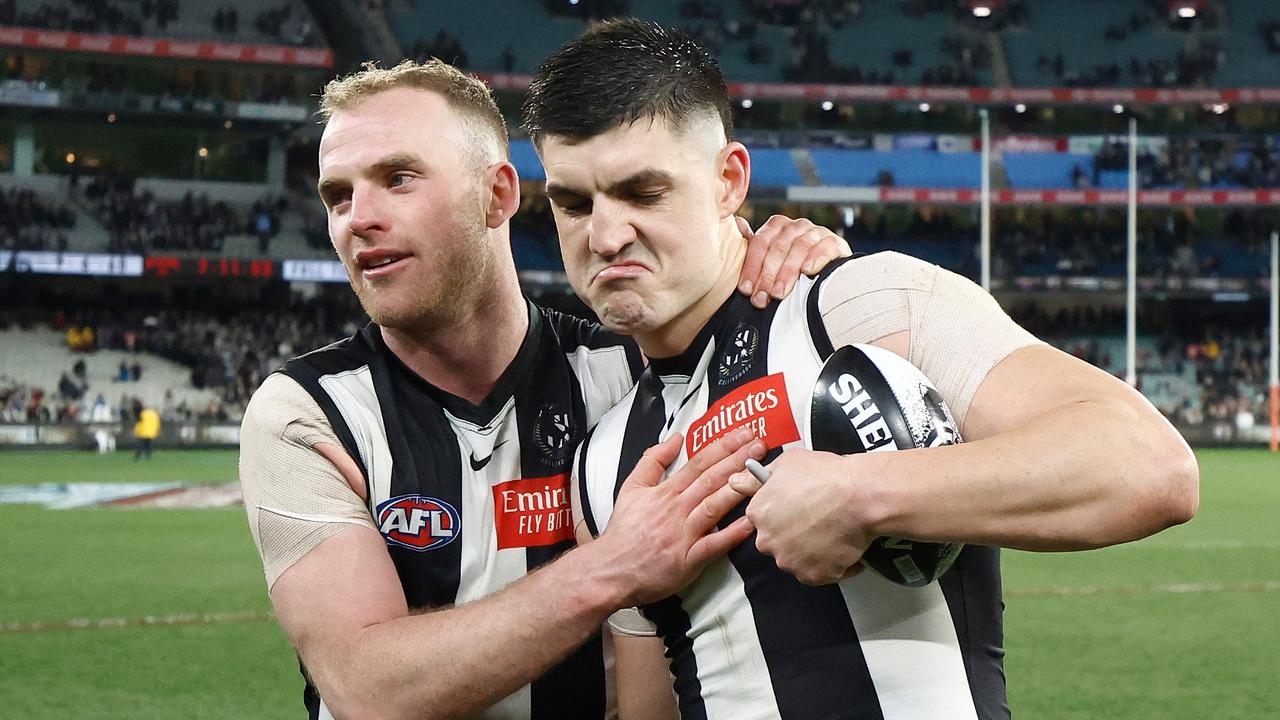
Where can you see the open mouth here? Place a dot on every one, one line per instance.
(378, 264)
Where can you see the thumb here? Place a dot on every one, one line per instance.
(654, 463)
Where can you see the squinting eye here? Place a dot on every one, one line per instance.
(399, 179)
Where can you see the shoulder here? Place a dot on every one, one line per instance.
(885, 270)
(280, 401)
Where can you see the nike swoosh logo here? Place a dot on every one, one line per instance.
(478, 465)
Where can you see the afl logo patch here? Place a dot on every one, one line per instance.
(736, 354)
(418, 522)
(553, 432)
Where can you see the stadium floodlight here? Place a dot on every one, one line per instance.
(828, 105)
(747, 103)
(111, 117)
(1186, 12)
(925, 107)
(1219, 108)
(982, 11)
(203, 152)
(1020, 108)
(71, 158)
(1117, 109)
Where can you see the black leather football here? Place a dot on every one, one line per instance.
(868, 399)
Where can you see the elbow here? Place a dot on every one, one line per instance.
(1170, 485)
(1181, 483)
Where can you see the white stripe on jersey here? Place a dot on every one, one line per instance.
(604, 373)
(352, 392)
(906, 634)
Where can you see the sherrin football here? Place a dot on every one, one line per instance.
(868, 399)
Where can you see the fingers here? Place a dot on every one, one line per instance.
(830, 247)
(720, 542)
(653, 464)
(707, 457)
(780, 233)
(744, 483)
(755, 257)
(802, 252)
(707, 514)
(716, 477)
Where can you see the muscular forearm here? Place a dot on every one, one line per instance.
(1084, 475)
(451, 662)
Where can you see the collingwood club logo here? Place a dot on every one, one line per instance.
(553, 432)
(737, 354)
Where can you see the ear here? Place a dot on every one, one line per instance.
(735, 177)
(503, 199)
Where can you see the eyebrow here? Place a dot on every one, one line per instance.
(648, 176)
(394, 161)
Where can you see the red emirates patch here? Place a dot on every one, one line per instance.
(761, 405)
(532, 512)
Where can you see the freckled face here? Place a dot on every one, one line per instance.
(405, 207)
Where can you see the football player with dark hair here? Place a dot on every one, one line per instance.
(644, 179)
(407, 487)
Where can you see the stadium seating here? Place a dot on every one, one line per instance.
(1044, 171)
(910, 168)
(39, 357)
(276, 22)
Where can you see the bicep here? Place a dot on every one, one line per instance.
(644, 679)
(1037, 379)
(342, 586)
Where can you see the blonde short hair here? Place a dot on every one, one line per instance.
(465, 93)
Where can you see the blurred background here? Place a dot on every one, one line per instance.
(162, 250)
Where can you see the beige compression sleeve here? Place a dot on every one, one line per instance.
(958, 332)
(295, 498)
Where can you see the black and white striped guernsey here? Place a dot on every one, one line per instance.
(749, 642)
(469, 498)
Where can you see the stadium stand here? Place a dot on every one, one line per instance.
(284, 22)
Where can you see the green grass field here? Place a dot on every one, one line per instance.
(1183, 625)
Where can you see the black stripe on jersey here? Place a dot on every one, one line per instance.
(644, 425)
(817, 328)
(573, 689)
(332, 359)
(972, 588)
(798, 616)
(584, 495)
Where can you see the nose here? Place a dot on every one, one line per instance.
(611, 230)
(365, 215)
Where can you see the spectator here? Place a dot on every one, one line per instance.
(146, 431)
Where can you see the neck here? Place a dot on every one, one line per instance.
(467, 357)
(675, 336)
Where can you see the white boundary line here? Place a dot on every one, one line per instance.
(149, 620)
(1167, 589)
(245, 617)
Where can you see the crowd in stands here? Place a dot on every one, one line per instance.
(139, 222)
(228, 351)
(1080, 241)
(94, 16)
(1195, 162)
(1221, 372)
(1195, 65)
(284, 22)
(31, 222)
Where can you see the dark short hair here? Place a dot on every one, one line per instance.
(620, 71)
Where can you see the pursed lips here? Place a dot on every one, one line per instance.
(620, 271)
